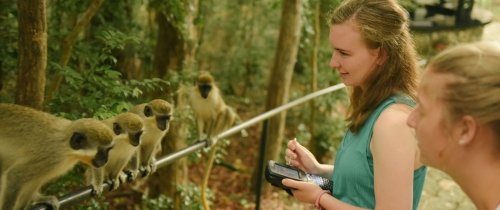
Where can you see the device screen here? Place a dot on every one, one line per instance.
(288, 172)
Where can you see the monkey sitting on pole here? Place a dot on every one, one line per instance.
(37, 147)
(128, 128)
(213, 116)
(156, 116)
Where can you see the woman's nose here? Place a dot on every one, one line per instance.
(334, 61)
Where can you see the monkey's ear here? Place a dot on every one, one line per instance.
(117, 128)
(78, 140)
(148, 112)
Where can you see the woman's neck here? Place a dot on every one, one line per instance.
(479, 179)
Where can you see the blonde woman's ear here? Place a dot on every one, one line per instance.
(468, 130)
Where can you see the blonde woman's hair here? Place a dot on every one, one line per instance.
(383, 24)
(475, 89)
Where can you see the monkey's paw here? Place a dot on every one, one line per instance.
(114, 183)
(97, 190)
(145, 170)
(211, 142)
(131, 175)
(152, 166)
(47, 201)
(123, 177)
(149, 168)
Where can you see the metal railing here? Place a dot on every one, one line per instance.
(86, 192)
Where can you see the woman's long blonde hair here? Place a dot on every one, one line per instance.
(383, 24)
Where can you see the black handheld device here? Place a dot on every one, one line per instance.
(275, 172)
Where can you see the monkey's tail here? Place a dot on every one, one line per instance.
(211, 158)
(223, 121)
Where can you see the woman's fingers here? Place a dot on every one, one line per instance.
(289, 183)
(290, 157)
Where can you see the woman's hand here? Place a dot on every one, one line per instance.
(300, 157)
(303, 191)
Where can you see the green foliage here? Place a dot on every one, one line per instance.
(62, 17)
(68, 183)
(220, 154)
(97, 89)
(114, 40)
(190, 196)
(174, 11)
(93, 204)
(409, 5)
(92, 84)
(122, 15)
(221, 150)
(71, 180)
(161, 202)
(245, 203)
(8, 50)
(237, 46)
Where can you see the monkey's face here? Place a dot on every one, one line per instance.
(204, 89)
(131, 125)
(162, 122)
(91, 140)
(80, 142)
(135, 138)
(117, 128)
(161, 111)
(101, 157)
(148, 111)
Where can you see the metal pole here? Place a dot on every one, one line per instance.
(163, 161)
(262, 152)
(279, 109)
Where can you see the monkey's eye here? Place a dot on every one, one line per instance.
(117, 129)
(78, 141)
(148, 112)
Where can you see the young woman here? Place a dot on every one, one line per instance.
(377, 165)
(457, 121)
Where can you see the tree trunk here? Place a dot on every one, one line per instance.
(32, 53)
(166, 179)
(313, 144)
(281, 76)
(249, 62)
(1, 78)
(169, 54)
(174, 51)
(128, 61)
(169, 51)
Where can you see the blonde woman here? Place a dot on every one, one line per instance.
(457, 121)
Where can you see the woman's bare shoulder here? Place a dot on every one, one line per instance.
(394, 115)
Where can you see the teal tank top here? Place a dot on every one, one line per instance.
(352, 178)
